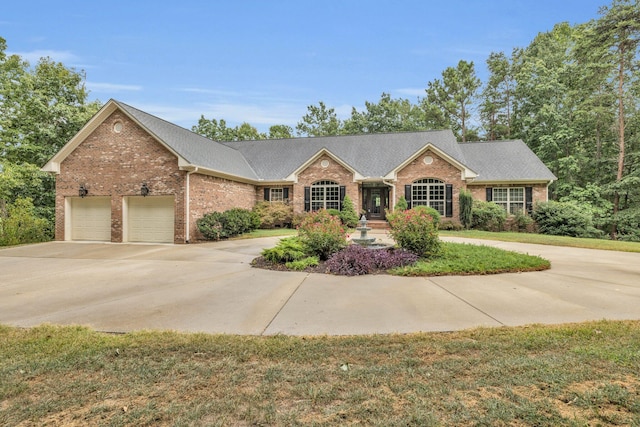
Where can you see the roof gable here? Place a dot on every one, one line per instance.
(192, 150)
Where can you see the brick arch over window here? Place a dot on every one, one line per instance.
(431, 192)
(324, 194)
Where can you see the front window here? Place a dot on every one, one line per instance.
(511, 199)
(428, 192)
(276, 195)
(325, 195)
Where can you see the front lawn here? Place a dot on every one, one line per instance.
(542, 239)
(567, 375)
(464, 259)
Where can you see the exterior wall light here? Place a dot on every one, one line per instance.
(83, 190)
(144, 190)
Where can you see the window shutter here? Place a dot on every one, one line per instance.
(307, 199)
(448, 210)
(489, 194)
(407, 195)
(343, 192)
(528, 199)
(285, 194)
(266, 194)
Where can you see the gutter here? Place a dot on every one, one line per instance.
(188, 206)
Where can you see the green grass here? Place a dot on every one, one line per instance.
(464, 259)
(272, 232)
(541, 239)
(566, 375)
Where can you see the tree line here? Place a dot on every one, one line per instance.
(572, 94)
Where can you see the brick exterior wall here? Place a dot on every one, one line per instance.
(116, 164)
(315, 172)
(438, 169)
(210, 193)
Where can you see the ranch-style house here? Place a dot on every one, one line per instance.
(128, 176)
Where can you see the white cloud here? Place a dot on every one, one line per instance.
(34, 56)
(112, 87)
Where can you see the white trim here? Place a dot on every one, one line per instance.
(294, 175)
(466, 174)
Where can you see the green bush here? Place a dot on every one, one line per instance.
(431, 212)
(450, 225)
(416, 230)
(287, 250)
(19, 224)
(273, 214)
(466, 208)
(322, 233)
(487, 216)
(402, 204)
(520, 222)
(564, 219)
(233, 222)
(629, 225)
(348, 215)
(335, 212)
(303, 263)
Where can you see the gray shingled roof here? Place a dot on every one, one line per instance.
(371, 155)
(196, 149)
(505, 161)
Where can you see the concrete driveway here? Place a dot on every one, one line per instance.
(212, 288)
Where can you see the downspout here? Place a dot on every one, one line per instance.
(188, 206)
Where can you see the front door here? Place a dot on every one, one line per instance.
(374, 201)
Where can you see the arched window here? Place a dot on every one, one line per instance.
(428, 192)
(325, 195)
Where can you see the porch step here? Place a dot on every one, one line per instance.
(377, 224)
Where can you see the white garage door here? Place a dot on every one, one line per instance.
(150, 219)
(91, 218)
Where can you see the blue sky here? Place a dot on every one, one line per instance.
(264, 62)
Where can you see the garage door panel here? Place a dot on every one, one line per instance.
(151, 219)
(91, 219)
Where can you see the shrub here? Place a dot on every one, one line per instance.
(20, 224)
(348, 215)
(402, 204)
(416, 230)
(273, 214)
(237, 221)
(466, 207)
(629, 225)
(322, 234)
(564, 219)
(450, 225)
(520, 222)
(487, 216)
(301, 264)
(219, 225)
(431, 212)
(287, 249)
(335, 212)
(355, 260)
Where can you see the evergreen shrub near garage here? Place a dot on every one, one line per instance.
(19, 224)
(222, 225)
